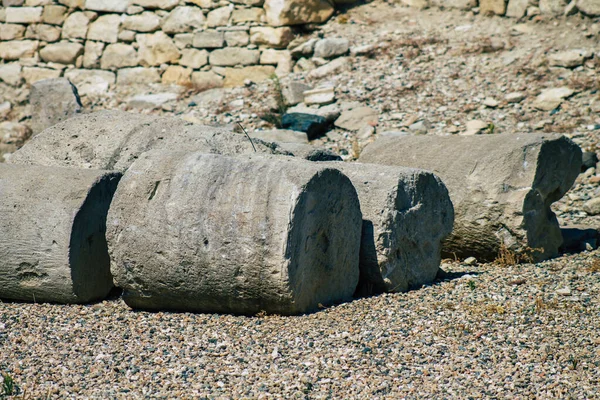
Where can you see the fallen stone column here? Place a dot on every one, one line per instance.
(406, 215)
(113, 140)
(502, 187)
(52, 233)
(209, 233)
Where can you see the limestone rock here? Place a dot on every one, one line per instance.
(193, 58)
(105, 29)
(144, 22)
(156, 49)
(517, 8)
(297, 12)
(589, 7)
(183, 19)
(24, 15)
(11, 31)
(53, 244)
(568, 58)
(118, 55)
(331, 47)
(553, 7)
(246, 15)
(35, 74)
(116, 6)
(17, 49)
(92, 53)
(54, 14)
(156, 4)
(43, 32)
(62, 53)
(11, 73)
(176, 75)
(550, 99)
(209, 39)
(52, 101)
(76, 26)
(239, 258)
(231, 56)
(218, 17)
(357, 118)
(281, 135)
(90, 82)
(137, 75)
(271, 37)
(497, 7)
(238, 76)
(206, 80)
(502, 186)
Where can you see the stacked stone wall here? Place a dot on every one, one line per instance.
(206, 43)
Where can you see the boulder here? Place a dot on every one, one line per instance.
(589, 7)
(113, 140)
(209, 233)
(53, 246)
(406, 215)
(52, 101)
(502, 187)
(297, 12)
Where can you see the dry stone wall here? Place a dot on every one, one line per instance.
(207, 43)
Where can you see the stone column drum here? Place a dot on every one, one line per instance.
(406, 214)
(52, 233)
(502, 187)
(210, 233)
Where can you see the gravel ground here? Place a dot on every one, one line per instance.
(485, 331)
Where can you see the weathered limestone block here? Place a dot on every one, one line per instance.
(53, 246)
(553, 7)
(116, 6)
(502, 186)
(176, 75)
(92, 53)
(36, 74)
(232, 56)
(459, 4)
(209, 39)
(11, 73)
(42, 32)
(52, 101)
(406, 215)
(517, 8)
(76, 26)
(497, 7)
(246, 15)
(54, 14)
(157, 4)
(183, 19)
(137, 75)
(105, 29)
(235, 77)
(156, 49)
(193, 58)
(218, 17)
(278, 38)
(297, 12)
(61, 53)
(24, 15)
(144, 22)
(16, 49)
(283, 239)
(237, 38)
(118, 55)
(589, 7)
(11, 31)
(113, 140)
(205, 80)
(91, 81)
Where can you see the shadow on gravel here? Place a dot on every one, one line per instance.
(443, 276)
(578, 238)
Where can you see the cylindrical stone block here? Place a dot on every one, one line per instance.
(210, 233)
(502, 187)
(113, 140)
(406, 214)
(52, 233)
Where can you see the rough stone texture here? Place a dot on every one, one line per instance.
(459, 4)
(281, 136)
(331, 47)
(24, 15)
(156, 49)
(117, 6)
(42, 32)
(297, 12)
(183, 19)
(232, 56)
(208, 233)
(54, 14)
(14, 50)
(205, 80)
(76, 26)
(502, 186)
(406, 215)
(105, 29)
(92, 53)
(52, 101)
(119, 55)
(218, 17)
(553, 7)
(137, 75)
(238, 76)
(497, 7)
(36, 74)
(589, 7)
(91, 81)
(53, 246)
(11, 73)
(517, 8)
(11, 31)
(193, 58)
(113, 140)
(144, 22)
(156, 4)
(62, 53)
(278, 38)
(209, 39)
(176, 75)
